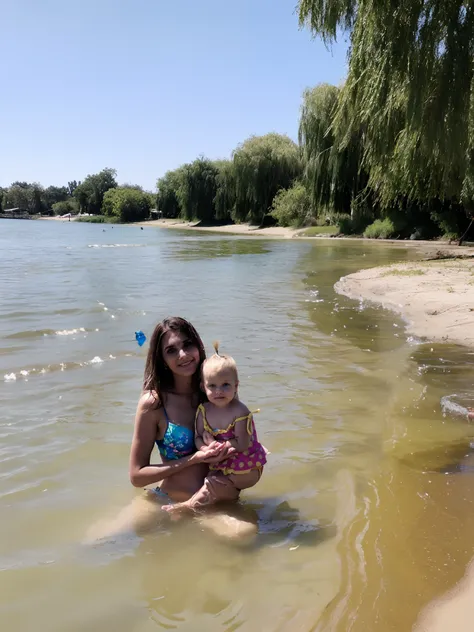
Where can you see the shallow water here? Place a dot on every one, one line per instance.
(366, 503)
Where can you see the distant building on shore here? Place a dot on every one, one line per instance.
(15, 213)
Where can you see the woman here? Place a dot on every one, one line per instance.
(165, 416)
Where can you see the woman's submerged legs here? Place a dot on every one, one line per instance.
(141, 515)
(144, 514)
(217, 487)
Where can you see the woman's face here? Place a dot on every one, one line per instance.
(180, 353)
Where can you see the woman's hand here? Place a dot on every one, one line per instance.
(213, 451)
(210, 446)
(224, 451)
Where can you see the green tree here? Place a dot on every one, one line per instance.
(292, 207)
(65, 206)
(72, 186)
(198, 190)
(262, 166)
(410, 87)
(126, 204)
(18, 195)
(108, 203)
(168, 187)
(333, 170)
(26, 196)
(52, 195)
(224, 200)
(90, 193)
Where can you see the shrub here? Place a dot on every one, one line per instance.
(292, 207)
(344, 223)
(67, 206)
(126, 205)
(380, 229)
(91, 219)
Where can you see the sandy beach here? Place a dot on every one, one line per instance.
(436, 298)
(281, 232)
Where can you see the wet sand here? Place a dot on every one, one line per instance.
(436, 298)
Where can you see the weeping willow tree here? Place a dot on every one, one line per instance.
(168, 187)
(410, 88)
(333, 172)
(224, 201)
(197, 190)
(262, 165)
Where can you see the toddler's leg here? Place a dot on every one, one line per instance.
(217, 488)
(244, 481)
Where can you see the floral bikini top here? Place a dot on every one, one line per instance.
(254, 458)
(177, 441)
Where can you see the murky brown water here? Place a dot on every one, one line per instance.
(365, 509)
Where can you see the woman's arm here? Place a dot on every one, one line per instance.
(141, 471)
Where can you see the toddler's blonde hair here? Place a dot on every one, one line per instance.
(220, 362)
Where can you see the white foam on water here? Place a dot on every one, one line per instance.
(314, 297)
(69, 332)
(9, 377)
(96, 360)
(115, 245)
(450, 407)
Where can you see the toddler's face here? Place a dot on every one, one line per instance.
(220, 386)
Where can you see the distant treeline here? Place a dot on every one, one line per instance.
(98, 194)
(325, 178)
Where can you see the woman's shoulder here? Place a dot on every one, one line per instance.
(149, 402)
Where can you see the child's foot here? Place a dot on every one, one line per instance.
(177, 511)
(470, 414)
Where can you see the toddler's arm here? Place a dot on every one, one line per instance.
(207, 438)
(199, 433)
(242, 435)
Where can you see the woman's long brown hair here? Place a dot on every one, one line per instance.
(158, 378)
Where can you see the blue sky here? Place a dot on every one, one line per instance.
(145, 85)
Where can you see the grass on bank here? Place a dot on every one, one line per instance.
(313, 231)
(409, 272)
(97, 219)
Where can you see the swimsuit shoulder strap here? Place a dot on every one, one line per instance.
(202, 410)
(166, 414)
(249, 419)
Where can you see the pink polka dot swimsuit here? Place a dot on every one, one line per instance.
(254, 458)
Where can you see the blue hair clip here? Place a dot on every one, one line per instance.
(140, 338)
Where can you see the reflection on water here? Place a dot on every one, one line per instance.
(364, 510)
(198, 248)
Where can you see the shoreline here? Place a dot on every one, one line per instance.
(286, 232)
(435, 298)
